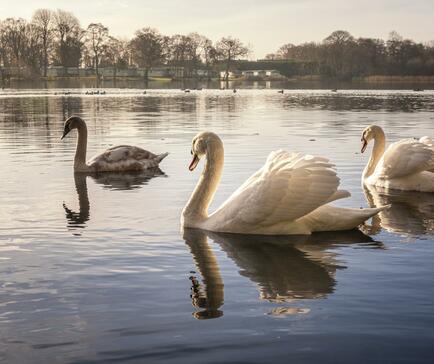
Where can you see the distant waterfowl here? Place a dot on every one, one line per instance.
(235, 91)
(418, 89)
(288, 195)
(334, 90)
(144, 92)
(115, 159)
(186, 90)
(405, 165)
(280, 91)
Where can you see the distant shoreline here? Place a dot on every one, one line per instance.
(374, 79)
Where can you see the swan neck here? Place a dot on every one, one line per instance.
(377, 153)
(80, 153)
(196, 209)
(83, 198)
(207, 265)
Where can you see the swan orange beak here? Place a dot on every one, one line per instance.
(194, 162)
(364, 145)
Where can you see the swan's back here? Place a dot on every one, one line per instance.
(287, 187)
(404, 158)
(125, 158)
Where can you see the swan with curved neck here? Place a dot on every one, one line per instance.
(290, 194)
(116, 159)
(405, 165)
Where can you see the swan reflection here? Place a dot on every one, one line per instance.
(411, 213)
(112, 181)
(285, 268)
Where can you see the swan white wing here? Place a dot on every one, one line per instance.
(430, 143)
(404, 158)
(427, 141)
(288, 186)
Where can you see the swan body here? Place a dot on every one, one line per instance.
(407, 164)
(288, 195)
(115, 159)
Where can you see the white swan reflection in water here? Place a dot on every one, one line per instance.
(112, 181)
(411, 213)
(285, 268)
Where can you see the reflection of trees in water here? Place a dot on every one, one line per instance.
(285, 268)
(111, 181)
(35, 119)
(411, 213)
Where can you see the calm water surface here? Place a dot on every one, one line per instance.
(96, 269)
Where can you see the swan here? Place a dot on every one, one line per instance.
(405, 165)
(115, 159)
(288, 195)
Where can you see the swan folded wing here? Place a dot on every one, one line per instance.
(287, 187)
(406, 157)
(121, 157)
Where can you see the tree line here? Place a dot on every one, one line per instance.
(340, 55)
(56, 38)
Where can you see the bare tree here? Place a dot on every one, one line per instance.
(229, 50)
(338, 48)
(69, 34)
(117, 54)
(147, 48)
(43, 20)
(32, 50)
(14, 34)
(208, 53)
(96, 39)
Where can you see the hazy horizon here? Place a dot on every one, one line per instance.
(265, 26)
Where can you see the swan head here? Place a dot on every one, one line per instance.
(368, 134)
(202, 144)
(71, 123)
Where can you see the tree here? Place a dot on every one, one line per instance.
(13, 37)
(229, 50)
(96, 40)
(147, 48)
(209, 54)
(69, 34)
(338, 52)
(32, 50)
(43, 20)
(117, 54)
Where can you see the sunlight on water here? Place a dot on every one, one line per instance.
(96, 269)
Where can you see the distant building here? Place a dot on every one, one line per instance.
(262, 75)
(231, 75)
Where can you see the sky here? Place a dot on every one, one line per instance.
(265, 25)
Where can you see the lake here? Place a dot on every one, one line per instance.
(96, 269)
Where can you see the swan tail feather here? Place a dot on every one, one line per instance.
(372, 211)
(338, 195)
(161, 156)
(333, 218)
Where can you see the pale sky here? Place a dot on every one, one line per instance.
(264, 24)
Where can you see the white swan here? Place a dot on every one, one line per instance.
(405, 165)
(288, 195)
(115, 159)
